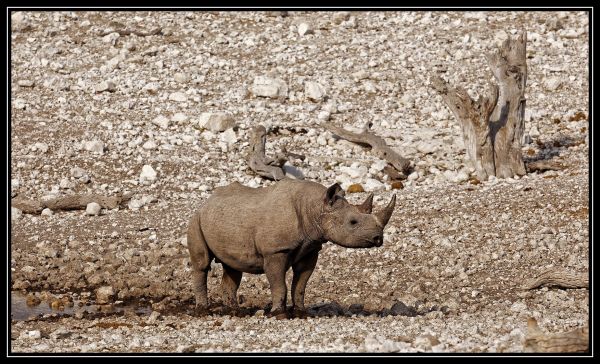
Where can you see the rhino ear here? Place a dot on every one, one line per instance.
(333, 193)
(367, 206)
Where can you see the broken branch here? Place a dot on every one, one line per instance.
(565, 342)
(559, 278)
(65, 203)
(257, 160)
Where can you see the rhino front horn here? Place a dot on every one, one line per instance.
(384, 215)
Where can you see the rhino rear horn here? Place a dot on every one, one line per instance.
(367, 206)
(384, 215)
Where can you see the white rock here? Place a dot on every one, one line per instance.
(104, 294)
(340, 16)
(151, 88)
(552, 83)
(181, 77)
(149, 145)
(25, 83)
(426, 148)
(324, 115)
(92, 208)
(15, 214)
(373, 185)
(105, 86)
(179, 117)
(216, 122)
(534, 132)
(42, 147)
(47, 212)
(111, 38)
(269, 87)
(355, 170)
(20, 104)
(228, 136)
(378, 165)
(304, 28)
(94, 146)
(178, 96)
(148, 174)
(77, 172)
(413, 176)
(161, 121)
(314, 91)
(33, 335)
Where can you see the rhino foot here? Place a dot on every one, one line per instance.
(201, 311)
(299, 313)
(279, 314)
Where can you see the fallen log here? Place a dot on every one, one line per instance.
(575, 341)
(377, 144)
(66, 203)
(557, 277)
(125, 32)
(544, 165)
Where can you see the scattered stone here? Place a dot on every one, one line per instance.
(148, 174)
(552, 83)
(92, 208)
(179, 117)
(534, 132)
(178, 97)
(151, 88)
(314, 91)
(181, 77)
(305, 28)
(47, 212)
(216, 122)
(355, 188)
(104, 295)
(154, 316)
(15, 214)
(426, 148)
(94, 146)
(20, 104)
(149, 145)
(228, 136)
(25, 83)
(269, 87)
(161, 121)
(373, 185)
(42, 147)
(397, 185)
(105, 86)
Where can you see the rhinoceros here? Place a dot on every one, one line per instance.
(270, 229)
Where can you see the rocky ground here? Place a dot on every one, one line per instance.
(160, 105)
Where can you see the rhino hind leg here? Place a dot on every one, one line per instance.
(200, 257)
(229, 285)
(302, 271)
(275, 266)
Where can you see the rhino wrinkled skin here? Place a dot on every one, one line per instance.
(270, 229)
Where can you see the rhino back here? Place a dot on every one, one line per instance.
(242, 224)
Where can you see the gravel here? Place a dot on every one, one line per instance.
(166, 117)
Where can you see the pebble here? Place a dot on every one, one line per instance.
(552, 83)
(93, 208)
(178, 97)
(161, 121)
(534, 132)
(104, 295)
(47, 212)
(314, 91)
(179, 117)
(305, 28)
(94, 146)
(149, 145)
(373, 185)
(181, 77)
(15, 214)
(148, 174)
(216, 122)
(25, 83)
(269, 87)
(106, 86)
(228, 136)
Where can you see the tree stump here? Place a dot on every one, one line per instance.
(493, 125)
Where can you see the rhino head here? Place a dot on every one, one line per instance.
(353, 226)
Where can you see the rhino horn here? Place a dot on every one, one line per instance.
(367, 206)
(384, 215)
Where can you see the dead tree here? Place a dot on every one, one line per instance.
(258, 161)
(377, 144)
(557, 277)
(493, 125)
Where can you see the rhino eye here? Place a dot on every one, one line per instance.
(353, 222)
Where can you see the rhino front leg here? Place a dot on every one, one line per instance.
(302, 272)
(229, 285)
(275, 266)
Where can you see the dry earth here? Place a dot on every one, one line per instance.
(91, 107)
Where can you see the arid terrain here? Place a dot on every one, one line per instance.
(159, 106)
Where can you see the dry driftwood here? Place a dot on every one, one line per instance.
(124, 32)
(74, 202)
(257, 160)
(377, 144)
(493, 125)
(575, 341)
(544, 165)
(559, 278)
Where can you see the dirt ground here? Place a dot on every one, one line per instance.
(92, 104)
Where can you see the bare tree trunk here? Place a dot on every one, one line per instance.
(493, 126)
